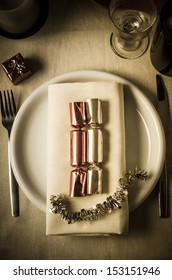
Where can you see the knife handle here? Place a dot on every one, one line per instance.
(163, 196)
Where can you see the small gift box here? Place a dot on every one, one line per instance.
(16, 69)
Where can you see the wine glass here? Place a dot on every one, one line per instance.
(132, 21)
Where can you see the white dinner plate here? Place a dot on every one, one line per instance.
(145, 144)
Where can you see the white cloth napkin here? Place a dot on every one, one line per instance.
(58, 154)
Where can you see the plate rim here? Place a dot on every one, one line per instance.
(61, 78)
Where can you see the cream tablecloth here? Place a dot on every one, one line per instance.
(75, 37)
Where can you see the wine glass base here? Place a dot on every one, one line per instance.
(128, 54)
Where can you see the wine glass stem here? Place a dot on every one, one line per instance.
(129, 45)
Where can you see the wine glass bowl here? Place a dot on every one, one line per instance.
(132, 21)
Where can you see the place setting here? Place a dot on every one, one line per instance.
(88, 147)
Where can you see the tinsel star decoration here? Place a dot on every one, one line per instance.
(111, 203)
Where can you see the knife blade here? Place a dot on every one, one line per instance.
(164, 113)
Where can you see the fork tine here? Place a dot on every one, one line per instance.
(11, 104)
(2, 106)
(8, 106)
(6, 109)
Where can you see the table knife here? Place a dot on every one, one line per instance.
(164, 113)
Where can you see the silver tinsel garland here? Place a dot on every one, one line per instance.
(111, 203)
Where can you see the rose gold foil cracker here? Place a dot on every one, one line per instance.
(94, 146)
(78, 114)
(94, 111)
(78, 182)
(78, 147)
(94, 180)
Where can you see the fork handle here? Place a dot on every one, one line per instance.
(14, 190)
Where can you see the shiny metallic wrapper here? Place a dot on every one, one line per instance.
(78, 147)
(94, 146)
(78, 114)
(94, 180)
(94, 111)
(78, 182)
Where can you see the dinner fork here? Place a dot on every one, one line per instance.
(8, 113)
